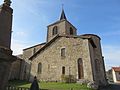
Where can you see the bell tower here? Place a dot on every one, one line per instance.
(61, 27)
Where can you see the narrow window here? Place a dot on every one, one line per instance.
(63, 52)
(80, 69)
(25, 69)
(39, 68)
(55, 30)
(25, 72)
(63, 70)
(71, 31)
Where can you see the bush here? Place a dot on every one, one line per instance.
(68, 78)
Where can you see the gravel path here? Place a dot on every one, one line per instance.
(111, 87)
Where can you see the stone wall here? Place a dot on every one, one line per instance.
(68, 26)
(15, 70)
(26, 63)
(63, 27)
(28, 52)
(52, 62)
(97, 60)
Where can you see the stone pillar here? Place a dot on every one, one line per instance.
(5, 25)
(6, 57)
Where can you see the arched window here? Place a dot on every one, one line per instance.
(63, 70)
(63, 52)
(55, 30)
(71, 31)
(80, 69)
(39, 68)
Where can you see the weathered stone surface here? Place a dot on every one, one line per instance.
(52, 62)
(6, 57)
(15, 69)
(5, 25)
(83, 47)
(92, 85)
(5, 65)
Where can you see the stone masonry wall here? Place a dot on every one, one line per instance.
(61, 29)
(27, 53)
(98, 62)
(52, 62)
(15, 70)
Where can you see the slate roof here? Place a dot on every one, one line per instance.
(34, 46)
(63, 15)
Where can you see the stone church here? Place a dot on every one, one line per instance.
(63, 54)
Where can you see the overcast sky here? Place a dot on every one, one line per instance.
(101, 17)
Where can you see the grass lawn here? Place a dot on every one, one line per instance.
(51, 85)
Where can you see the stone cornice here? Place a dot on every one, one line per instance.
(6, 8)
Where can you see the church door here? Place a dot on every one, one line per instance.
(80, 69)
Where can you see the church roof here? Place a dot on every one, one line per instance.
(35, 46)
(59, 36)
(62, 19)
(89, 35)
(117, 69)
(63, 15)
(57, 22)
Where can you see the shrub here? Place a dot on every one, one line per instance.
(68, 78)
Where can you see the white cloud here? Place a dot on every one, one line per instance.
(18, 42)
(17, 47)
(21, 34)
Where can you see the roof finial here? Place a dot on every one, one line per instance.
(63, 14)
(7, 2)
(62, 6)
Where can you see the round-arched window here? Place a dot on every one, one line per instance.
(40, 68)
(71, 31)
(55, 30)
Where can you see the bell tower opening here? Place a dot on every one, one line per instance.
(71, 31)
(60, 27)
(55, 30)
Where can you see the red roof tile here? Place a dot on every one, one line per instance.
(116, 69)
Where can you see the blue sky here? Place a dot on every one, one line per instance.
(101, 17)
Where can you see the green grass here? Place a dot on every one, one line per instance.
(51, 85)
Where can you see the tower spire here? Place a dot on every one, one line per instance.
(7, 2)
(63, 14)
